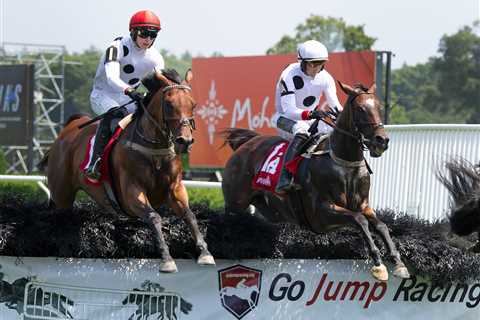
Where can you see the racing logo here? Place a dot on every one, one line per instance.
(211, 112)
(239, 288)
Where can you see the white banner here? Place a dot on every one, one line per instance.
(54, 288)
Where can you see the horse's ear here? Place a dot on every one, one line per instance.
(189, 76)
(372, 88)
(346, 88)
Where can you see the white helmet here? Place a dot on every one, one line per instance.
(312, 50)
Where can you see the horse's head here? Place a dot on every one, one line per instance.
(362, 116)
(172, 107)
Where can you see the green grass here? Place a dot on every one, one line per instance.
(213, 198)
(210, 197)
(24, 190)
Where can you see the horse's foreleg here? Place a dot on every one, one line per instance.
(137, 203)
(400, 269)
(179, 204)
(344, 215)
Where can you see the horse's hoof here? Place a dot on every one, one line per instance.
(401, 272)
(169, 267)
(206, 259)
(380, 272)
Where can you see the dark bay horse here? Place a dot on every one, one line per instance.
(147, 171)
(462, 181)
(334, 186)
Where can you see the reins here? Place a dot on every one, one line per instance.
(163, 127)
(357, 135)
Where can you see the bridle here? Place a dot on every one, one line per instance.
(163, 127)
(357, 134)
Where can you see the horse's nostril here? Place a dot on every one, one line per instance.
(182, 140)
(381, 140)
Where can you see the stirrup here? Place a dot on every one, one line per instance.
(93, 171)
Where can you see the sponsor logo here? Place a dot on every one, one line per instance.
(413, 290)
(283, 287)
(211, 112)
(20, 296)
(152, 300)
(10, 97)
(239, 288)
(254, 121)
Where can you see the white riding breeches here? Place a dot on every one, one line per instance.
(102, 103)
(299, 126)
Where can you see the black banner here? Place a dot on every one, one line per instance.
(16, 105)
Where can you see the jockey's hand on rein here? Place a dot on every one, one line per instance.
(316, 114)
(133, 94)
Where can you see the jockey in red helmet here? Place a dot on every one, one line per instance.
(121, 67)
(143, 24)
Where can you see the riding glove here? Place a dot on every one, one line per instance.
(133, 94)
(316, 114)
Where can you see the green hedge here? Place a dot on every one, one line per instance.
(212, 198)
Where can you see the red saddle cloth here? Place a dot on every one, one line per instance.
(105, 164)
(269, 173)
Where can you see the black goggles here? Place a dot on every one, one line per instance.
(145, 33)
(316, 63)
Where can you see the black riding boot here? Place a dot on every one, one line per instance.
(102, 136)
(285, 182)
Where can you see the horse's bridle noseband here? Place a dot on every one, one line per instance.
(166, 133)
(358, 135)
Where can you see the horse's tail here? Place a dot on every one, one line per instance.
(235, 137)
(463, 183)
(42, 165)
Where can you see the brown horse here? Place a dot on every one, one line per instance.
(334, 186)
(462, 181)
(146, 170)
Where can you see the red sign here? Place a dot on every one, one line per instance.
(240, 92)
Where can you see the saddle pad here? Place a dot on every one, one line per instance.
(269, 173)
(105, 164)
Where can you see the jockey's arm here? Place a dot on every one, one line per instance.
(288, 103)
(331, 95)
(112, 70)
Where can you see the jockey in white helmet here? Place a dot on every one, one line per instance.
(297, 96)
(119, 71)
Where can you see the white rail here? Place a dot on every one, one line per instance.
(41, 181)
(188, 183)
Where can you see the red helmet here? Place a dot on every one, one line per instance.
(145, 18)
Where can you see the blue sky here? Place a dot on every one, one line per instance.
(409, 28)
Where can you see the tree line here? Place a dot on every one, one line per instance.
(445, 89)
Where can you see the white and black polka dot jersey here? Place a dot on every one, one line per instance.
(297, 92)
(123, 65)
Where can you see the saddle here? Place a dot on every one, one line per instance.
(267, 177)
(105, 163)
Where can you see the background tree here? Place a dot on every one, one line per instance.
(79, 80)
(446, 89)
(334, 33)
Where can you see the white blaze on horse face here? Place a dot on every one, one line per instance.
(370, 102)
